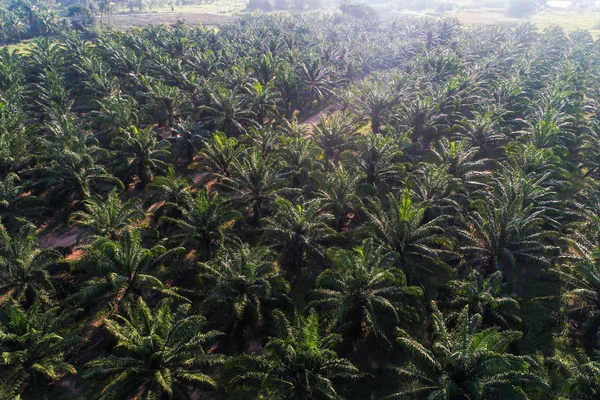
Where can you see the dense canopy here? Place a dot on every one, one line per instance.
(305, 206)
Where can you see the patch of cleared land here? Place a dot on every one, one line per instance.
(121, 21)
(569, 20)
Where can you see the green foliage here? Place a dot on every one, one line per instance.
(305, 184)
(297, 364)
(465, 362)
(161, 352)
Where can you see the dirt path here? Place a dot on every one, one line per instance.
(314, 119)
(68, 238)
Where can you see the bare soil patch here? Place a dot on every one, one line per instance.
(121, 21)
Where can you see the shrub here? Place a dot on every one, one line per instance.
(444, 7)
(81, 17)
(264, 5)
(521, 8)
(358, 10)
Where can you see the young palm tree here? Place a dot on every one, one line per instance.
(107, 218)
(25, 268)
(160, 353)
(244, 284)
(205, 225)
(465, 363)
(32, 348)
(298, 364)
(297, 231)
(399, 226)
(364, 293)
(140, 153)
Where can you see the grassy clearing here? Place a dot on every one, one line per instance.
(21, 47)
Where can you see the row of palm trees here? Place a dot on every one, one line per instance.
(435, 235)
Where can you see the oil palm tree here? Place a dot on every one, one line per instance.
(465, 363)
(244, 285)
(297, 232)
(264, 100)
(26, 273)
(503, 231)
(378, 159)
(168, 194)
(32, 348)
(373, 99)
(71, 175)
(140, 153)
(298, 155)
(160, 353)
(124, 270)
(14, 206)
(205, 225)
(227, 111)
(399, 225)
(574, 375)
(581, 296)
(107, 218)
(364, 293)
(255, 182)
(218, 155)
(190, 135)
(483, 133)
(298, 364)
(339, 196)
(165, 103)
(334, 135)
(485, 297)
